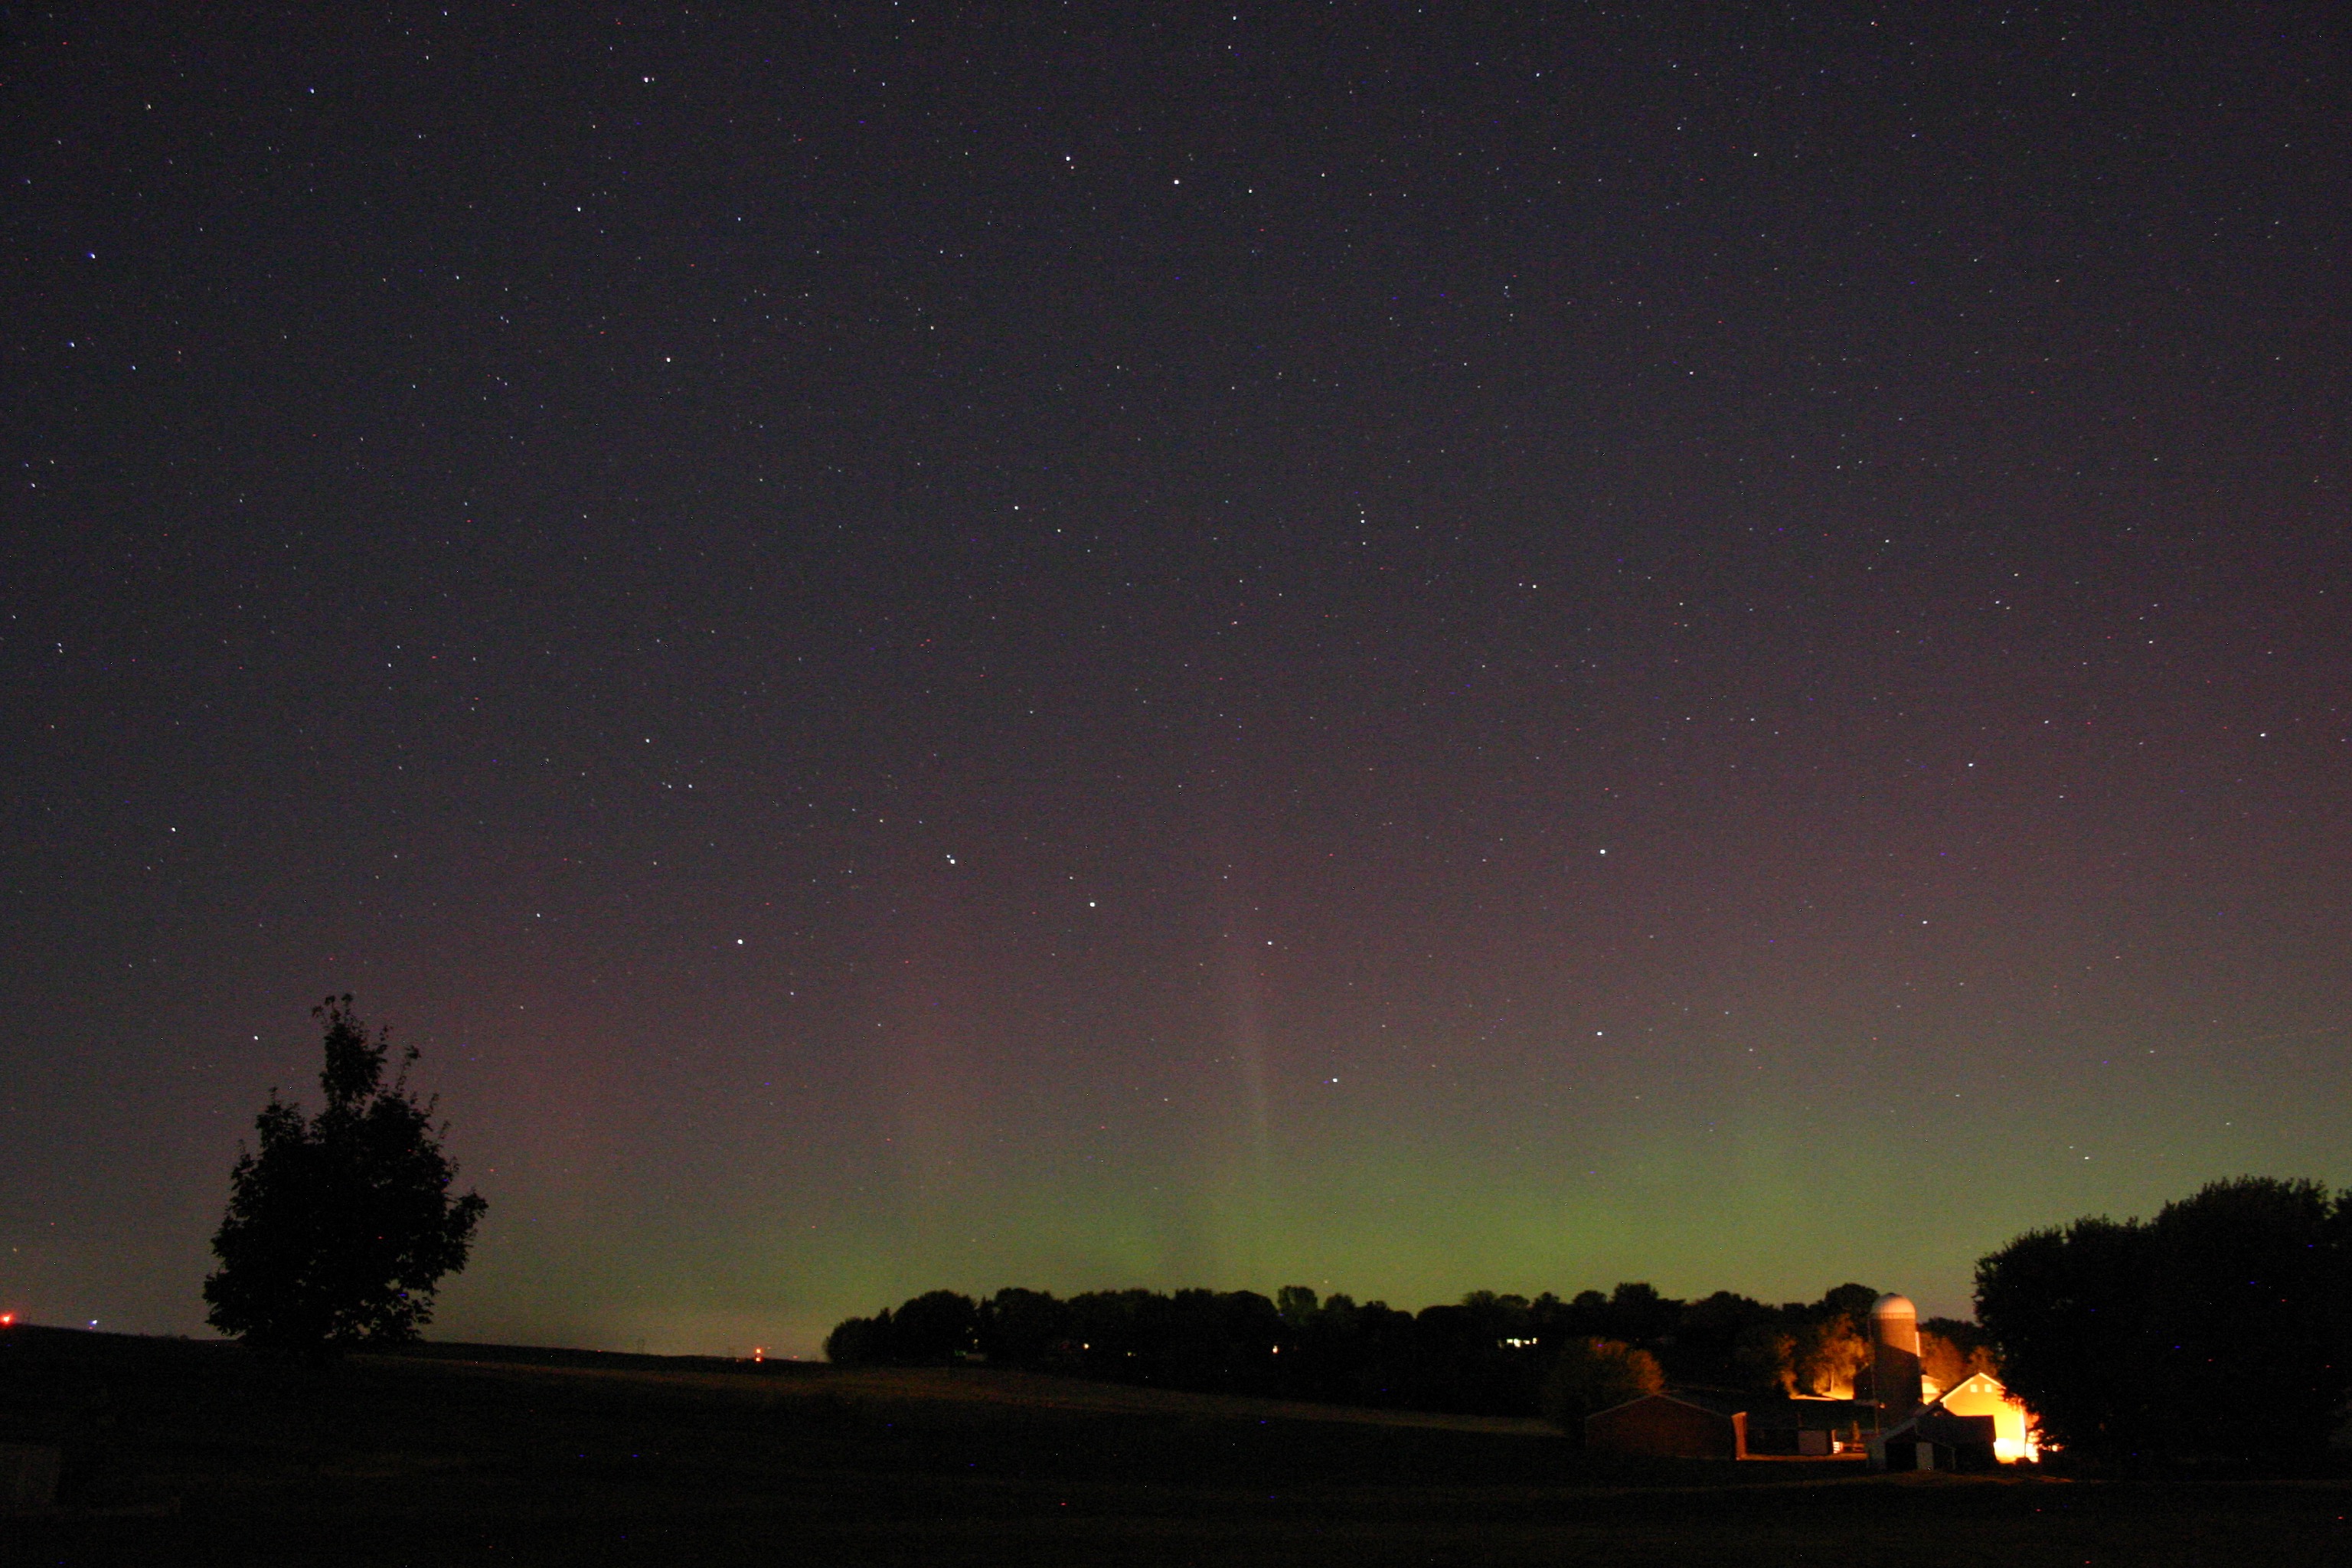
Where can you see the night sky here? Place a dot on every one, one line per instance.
(1403, 649)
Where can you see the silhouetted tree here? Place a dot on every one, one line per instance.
(1850, 1302)
(1638, 1314)
(1215, 1340)
(1830, 1342)
(1022, 1328)
(1709, 1342)
(2249, 1320)
(1597, 1374)
(340, 1225)
(935, 1328)
(1951, 1348)
(860, 1342)
(1118, 1333)
(1765, 1357)
(2221, 1329)
(2067, 1309)
(1383, 1344)
(1463, 1357)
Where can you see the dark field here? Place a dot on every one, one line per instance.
(196, 1452)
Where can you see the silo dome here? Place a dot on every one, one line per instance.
(1893, 1306)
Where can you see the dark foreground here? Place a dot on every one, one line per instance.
(193, 1454)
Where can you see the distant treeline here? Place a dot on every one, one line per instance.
(1487, 1354)
(2219, 1329)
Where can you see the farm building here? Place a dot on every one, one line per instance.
(1781, 1428)
(1982, 1395)
(1935, 1440)
(1669, 1426)
(1909, 1425)
(1972, 1426)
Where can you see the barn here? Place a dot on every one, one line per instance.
(1668, 1426)
(1981, 1394)
(1973, 1425)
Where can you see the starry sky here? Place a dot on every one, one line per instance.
(1406, 648)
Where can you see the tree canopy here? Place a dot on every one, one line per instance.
(1592, 1375)
(340, 1225)
(2221, 1329)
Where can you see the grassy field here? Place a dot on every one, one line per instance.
(186, 1453)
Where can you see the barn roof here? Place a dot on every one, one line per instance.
(1683, 1398)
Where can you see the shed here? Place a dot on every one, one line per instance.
(1665, 1426)
(1935, 1440)
(1781, 1428)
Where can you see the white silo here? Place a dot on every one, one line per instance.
(1895, 1357)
